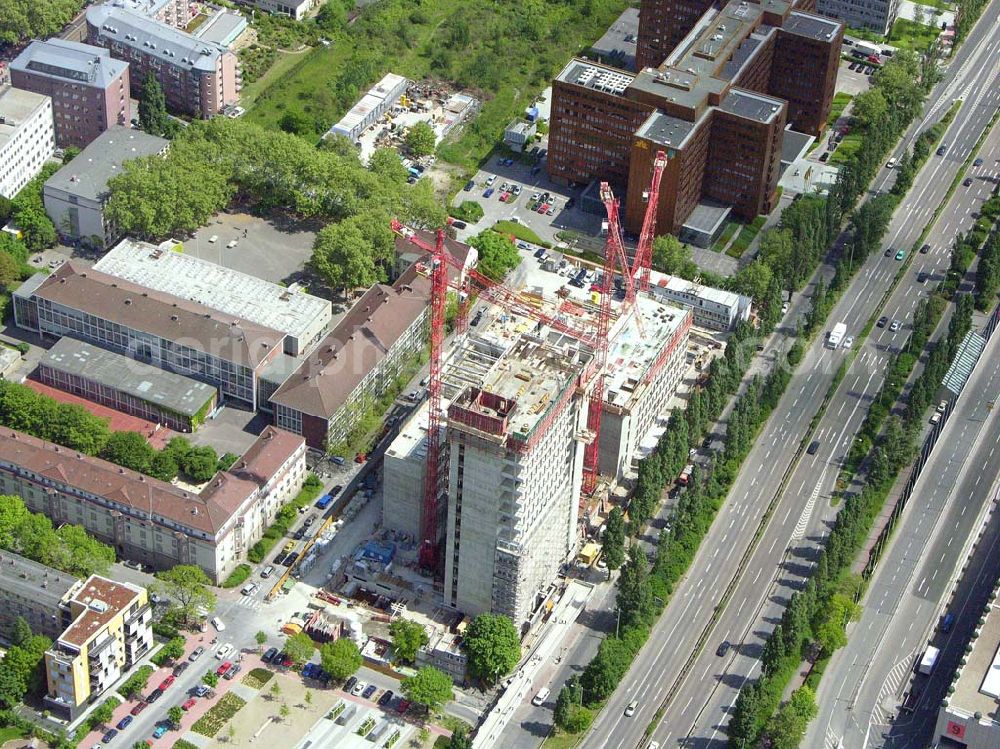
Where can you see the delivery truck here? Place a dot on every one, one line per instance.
(929, 660)
(835, 336)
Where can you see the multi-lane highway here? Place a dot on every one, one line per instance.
(863, 681)
(702, 696)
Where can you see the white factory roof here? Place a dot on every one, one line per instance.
(231, 292)
(371, 100)
(16, 106)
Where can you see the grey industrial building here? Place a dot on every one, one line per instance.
(76, 195)
(714, 309)
(175, 401)
(380, 99)
(302, 317)
(35, 592)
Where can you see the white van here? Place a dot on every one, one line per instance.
(539, 699)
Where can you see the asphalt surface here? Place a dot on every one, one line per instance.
(864, 681)
(703, 696)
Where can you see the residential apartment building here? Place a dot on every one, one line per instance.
(354, 365)
(38, 594)
(878, 15)
(27, 139)
(89, 89)
(151, 521)
(165, 331)
(198, 77)
(717, 103)
(302, 317)
(110, 632)
(515, 471)
(76, 195)
(172, 400)
(176, 13)
(297, 9)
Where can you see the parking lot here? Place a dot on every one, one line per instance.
(488, 188)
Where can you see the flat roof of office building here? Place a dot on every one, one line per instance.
(245, 297)
(597, 77)
(33, 580)
(812, 26)
(682, 286)
(977, 688)
(172, 391)
(619, 41)
(88, 174)
(16, 106)
(707, 216)
(665, 130)
(751, 106)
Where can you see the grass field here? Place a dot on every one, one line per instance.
(286, 61)
(907, 34)
(506, 52)
(846, 149)
(840, 102)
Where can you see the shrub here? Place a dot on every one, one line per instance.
(218, 715)
(469, 210)
(238, 576)
(136, 682)
(257, 678)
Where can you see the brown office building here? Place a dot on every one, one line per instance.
(89, 89)
(717, 103)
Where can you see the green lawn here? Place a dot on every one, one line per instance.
(285, 62)
(521, 232)
(560, 740)
(936, 4)
(840, 102)
(846, 149)
(10, 733)
(907, 34)
(503, 51)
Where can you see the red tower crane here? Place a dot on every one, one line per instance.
(644, 253)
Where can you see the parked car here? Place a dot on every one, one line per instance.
(154, 695)
(490, 180)
(231, 673)
(124, 722)
(269, 655)
(489, 192)
(280, 558)
(160, 730)
(188, 704)
(109, 735)
(201, 690)
(359, 687)
(469, 185)
(221, 670)
(402, 706)
(349, 684)
(165, 684)
(291, 559)
(180, 668)
(197, 653)
(386, 698)
(139, 708)
(369, 691)
(224, 651)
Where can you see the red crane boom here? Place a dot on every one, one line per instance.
(644, 253)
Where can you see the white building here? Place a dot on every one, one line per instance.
(302, 317)
(878, 15)
(713, 309)
(296, 9)
(27, 137)
(519, 133)
(379, 100)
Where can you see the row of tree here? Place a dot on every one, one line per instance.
(813, 623)
(988, 272)
(21, 20)
(72, 426)
(68, 548)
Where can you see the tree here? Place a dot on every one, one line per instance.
(671, 256)
(493, 647)
(175, 714)
(231, 733)
(870, 107)
(340, 658)
(428, 687)
(275, 690)
(153, 107)
(20, 632)
(343, 258)
(614, 539)
(200, 463)
(308, 697)
(789, 724)
(187, 587)
(635, 596)
(605, 671)
(407, 638)
(84, 554)
(21, 20)
(104, 712)
(211, 679)
(10, 270)
(300, 648)
(497, 255)
(129, 449)
(754, 281)
(174, 649)
(261, 638)
(163, 466)
(420, 139)
(460, 738)
(570, 697)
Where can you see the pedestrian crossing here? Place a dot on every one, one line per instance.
(832, 740)
(250, 602)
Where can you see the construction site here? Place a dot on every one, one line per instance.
(535, 414)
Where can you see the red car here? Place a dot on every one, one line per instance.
(360, 458)
(543, 208)
(402, 706)
(139, 708)
(221, 670)
(189, 704)
(504, 197)
(166, 683)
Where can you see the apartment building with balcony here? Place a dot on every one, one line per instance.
(717, 103)
(37, 593)
(89, 89)
(198, 77)
(109, 633)
(27, 138)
